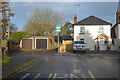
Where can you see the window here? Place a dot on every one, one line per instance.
(51, 41)
(100, 28)
(82, 29)
(79, 42)
(112, 41)
(105, 42)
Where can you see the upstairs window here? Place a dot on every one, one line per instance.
(101, 29)
(82, 30)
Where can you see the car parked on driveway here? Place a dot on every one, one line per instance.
(79, 46)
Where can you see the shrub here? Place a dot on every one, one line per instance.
(15, 38)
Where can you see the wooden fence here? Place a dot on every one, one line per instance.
(66, 46)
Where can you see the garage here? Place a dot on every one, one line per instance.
(41, 43)
(37, 42)
(27, 43)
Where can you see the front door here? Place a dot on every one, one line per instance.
(101, 44)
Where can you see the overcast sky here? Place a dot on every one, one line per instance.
(103, 10)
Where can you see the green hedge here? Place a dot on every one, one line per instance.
(15, 38)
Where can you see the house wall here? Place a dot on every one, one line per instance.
(91, 33)
(116, 45)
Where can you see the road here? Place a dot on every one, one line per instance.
(69, 65)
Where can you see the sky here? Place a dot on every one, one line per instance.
(102, 10)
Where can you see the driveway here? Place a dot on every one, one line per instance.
(82, 66)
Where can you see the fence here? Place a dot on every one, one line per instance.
(66, 46)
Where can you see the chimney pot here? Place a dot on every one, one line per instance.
(117, 10)
(75, 19)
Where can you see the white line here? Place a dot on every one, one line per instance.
(91, 75)
(37, 75)
(83, 76)
(54, 75)
(65, 75)
(28, 66)
(83, 63)
(25, 75)
(72, 76)
(50, 75)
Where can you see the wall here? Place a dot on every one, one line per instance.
(66, 46)
(91, 33)
(115, 46)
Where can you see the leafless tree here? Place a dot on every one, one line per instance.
(43, 22)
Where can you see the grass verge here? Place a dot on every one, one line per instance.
(6, 60)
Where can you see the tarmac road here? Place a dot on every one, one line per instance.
(79, 66)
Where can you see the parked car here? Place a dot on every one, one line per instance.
(79, 46)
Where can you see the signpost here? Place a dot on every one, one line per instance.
(58, 30)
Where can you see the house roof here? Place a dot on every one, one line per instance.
(63, 38)
(92, 20)
(116, 24)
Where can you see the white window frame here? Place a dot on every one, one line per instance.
(81, 29)
(41, 38)
(28, 38)
(101, 28)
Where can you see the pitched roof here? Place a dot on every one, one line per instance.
(92, 20)
(116, 24)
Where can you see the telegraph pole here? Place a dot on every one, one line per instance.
(8, 27)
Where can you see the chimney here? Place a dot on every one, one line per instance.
(75, 19)
(117, 16)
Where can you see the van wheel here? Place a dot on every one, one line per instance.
(73, 51)
(85, 51)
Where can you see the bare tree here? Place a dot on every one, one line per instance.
(43, 21)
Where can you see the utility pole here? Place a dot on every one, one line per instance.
(8, 27)
(78, 5)
(58, 42)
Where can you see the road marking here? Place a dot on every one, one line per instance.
(37, 76)
(47, 59)
(76, 71)
(73, 76)
(25, 76)
(28, 66)
(83, 76)
(65, 75)
(83, 63)
(55, 75)
(91, 75)
(50, 75)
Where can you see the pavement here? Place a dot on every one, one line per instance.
(17, 58)
(81, 66)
